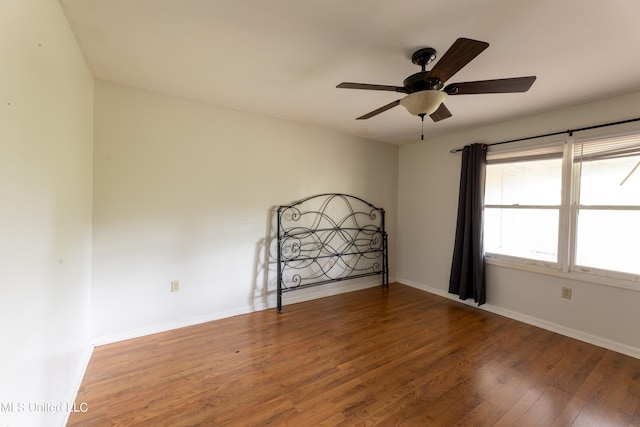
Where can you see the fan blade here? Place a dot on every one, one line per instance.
(440, 114)
(379, 110)
(461, 52)
(516, 84)
(347, 85)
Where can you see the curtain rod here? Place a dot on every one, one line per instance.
(569, 131)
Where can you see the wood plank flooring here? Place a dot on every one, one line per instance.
(376, 357)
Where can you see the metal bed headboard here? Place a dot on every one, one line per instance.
(329, 238)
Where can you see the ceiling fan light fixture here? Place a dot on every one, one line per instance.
(423, 102)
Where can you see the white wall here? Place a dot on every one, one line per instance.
(183, 191)
(46, 102)
(427, 206)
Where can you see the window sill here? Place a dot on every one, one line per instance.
(556, 272)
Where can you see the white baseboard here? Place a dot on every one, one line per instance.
(541, 323)
(288, 298)
(167, 326)
(63, 416)
(330, 290)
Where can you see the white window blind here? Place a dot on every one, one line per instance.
(504, 154)
(608, 148)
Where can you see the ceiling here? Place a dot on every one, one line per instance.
(284, 58)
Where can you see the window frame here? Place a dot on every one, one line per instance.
(531, 152)
(567, 230)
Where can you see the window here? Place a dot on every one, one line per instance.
(608, 204)
(573, 206)
(524, 187)
(523, 193)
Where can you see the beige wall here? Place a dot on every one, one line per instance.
(46, 102)
(183, 191)
(427, 206)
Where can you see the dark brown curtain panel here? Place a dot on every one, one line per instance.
(467, 268)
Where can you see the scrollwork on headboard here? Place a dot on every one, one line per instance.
(329, 238)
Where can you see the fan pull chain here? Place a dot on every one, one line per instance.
(422, 135)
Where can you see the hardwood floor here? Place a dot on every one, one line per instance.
(376, 357)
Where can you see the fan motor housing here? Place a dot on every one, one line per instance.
(416, 82)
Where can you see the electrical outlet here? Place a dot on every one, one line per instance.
(175, 285)
(566, 293)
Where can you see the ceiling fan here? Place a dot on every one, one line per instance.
(425, 93)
